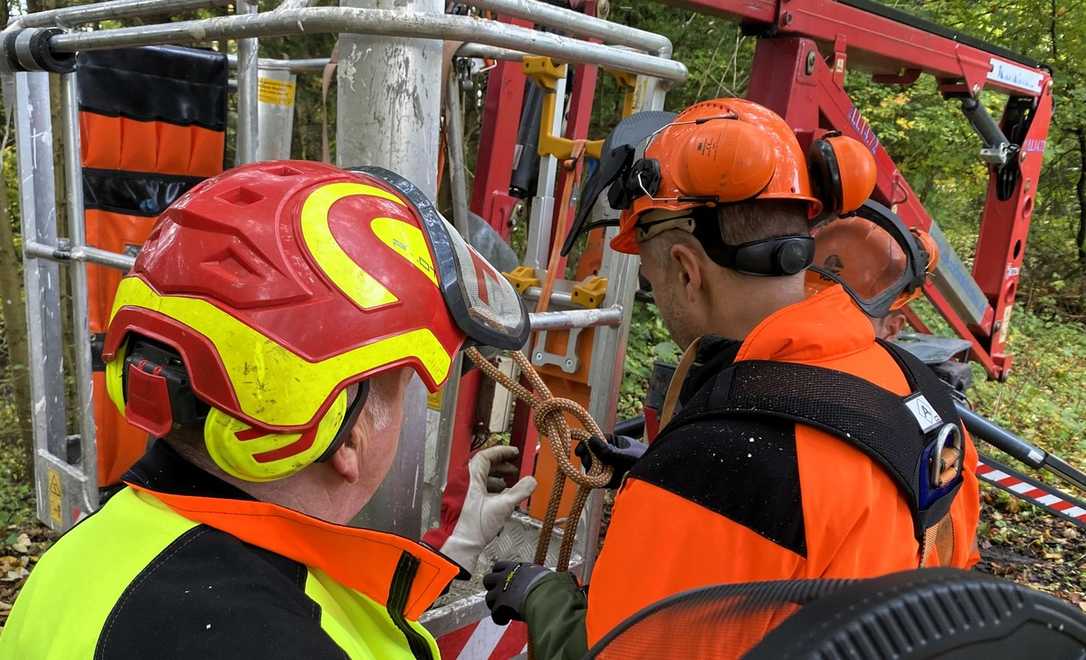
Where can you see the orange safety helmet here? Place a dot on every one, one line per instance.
(265, 297)
(870, 261)
(730, 150)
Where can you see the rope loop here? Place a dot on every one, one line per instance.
(549, 415)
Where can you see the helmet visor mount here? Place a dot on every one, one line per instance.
(483, 303)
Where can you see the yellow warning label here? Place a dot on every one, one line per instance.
(433, 400)
(56, 495)
(276, 92)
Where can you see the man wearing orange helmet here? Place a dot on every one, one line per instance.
(266, 335)
(871, 262)
(793, 444)
(866, 258)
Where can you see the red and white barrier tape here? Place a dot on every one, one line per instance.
(485, 640)
(1031, 490)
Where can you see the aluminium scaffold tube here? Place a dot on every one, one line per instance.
(373, 21)
(104, 11)
(304, 65)
(577, 23)
(490, 52)
(248, 138)
(576, 318)
(317, 64)
(62, 253)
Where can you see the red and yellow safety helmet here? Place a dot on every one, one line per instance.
(282, 287)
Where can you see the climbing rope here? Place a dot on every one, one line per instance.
(549, 414)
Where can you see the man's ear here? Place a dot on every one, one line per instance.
(894, 324)
(346, 461)
(691, 272)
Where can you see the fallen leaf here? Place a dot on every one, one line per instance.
(21, 544)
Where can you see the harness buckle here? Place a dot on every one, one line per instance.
(938, 472)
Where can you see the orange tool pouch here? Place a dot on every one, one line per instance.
(152, 125)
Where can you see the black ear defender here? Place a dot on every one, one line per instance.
(825, 174)
(151, 357)
(642, 178)
(768, 257)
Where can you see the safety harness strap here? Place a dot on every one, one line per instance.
(906, 436)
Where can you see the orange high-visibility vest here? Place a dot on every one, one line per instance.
(769, 500)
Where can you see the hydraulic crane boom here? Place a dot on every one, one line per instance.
(804, 49)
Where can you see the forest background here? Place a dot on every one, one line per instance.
(1044, 399)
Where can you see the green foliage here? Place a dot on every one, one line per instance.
(1044, 399)
(649, 341)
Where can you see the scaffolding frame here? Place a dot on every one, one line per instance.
(65, 464)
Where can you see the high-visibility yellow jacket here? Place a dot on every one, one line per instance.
(183, 565)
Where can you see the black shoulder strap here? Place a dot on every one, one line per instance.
(898, 433)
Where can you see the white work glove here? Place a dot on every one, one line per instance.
(487, 505)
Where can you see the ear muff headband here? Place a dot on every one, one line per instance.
(354, 409)
(768, 257)
(911, 278)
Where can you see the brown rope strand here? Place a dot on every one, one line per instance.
(549, 414)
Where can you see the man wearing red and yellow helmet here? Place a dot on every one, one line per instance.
(718, 201)
(265, 337)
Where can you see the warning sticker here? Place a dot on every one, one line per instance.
(1015, 76)
(276, 92)
(923, 411)
(56, 494)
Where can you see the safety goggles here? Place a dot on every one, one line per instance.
(842, 262)
(483, 303)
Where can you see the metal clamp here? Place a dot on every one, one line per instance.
(522, 278)
(568, 362)
(28, 49)
(590, 292)
(628, 82)
(546, 73)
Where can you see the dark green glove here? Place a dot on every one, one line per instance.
(618, 451)
(507, 586)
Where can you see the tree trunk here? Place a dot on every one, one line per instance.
(11, 302)
(1080, 189)
(14, 312)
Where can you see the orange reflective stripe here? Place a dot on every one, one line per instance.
(360, 559)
